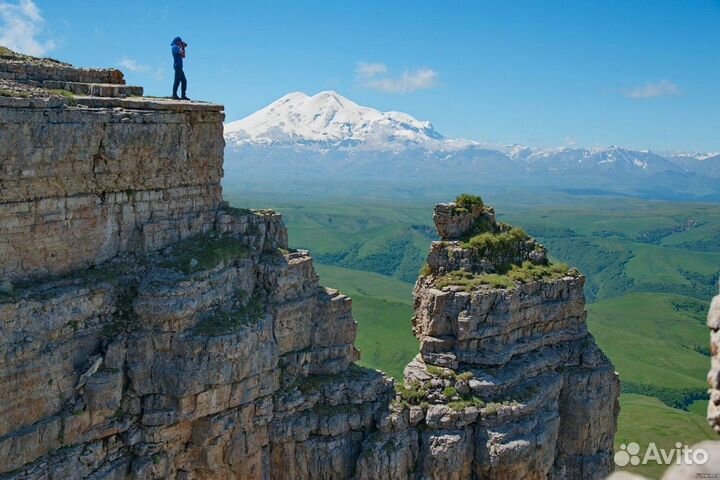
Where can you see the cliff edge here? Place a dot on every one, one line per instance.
(149, 330)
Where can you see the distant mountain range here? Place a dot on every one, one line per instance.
(329, 136)
(329, 120)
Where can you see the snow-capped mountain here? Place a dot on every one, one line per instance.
(328, 119)
(329, 136)
(610, 159)
(702, 163)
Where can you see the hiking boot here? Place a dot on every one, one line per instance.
(175, 97)
(184, 97)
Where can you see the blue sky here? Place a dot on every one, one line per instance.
(550, 73)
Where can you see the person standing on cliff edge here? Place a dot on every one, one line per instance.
(178, 53)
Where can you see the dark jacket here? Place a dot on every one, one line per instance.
(177, 53)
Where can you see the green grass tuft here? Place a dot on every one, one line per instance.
(221, 322)
(6, 92)
(208, 250)
(460, 405)
(238, 211)
(444, 373)
(415, 394)
(7, 53)
(467, 200)
(515, 274)
(61, 93)
(450, 392)
(529, 272)
(505, 243)
(471, 281)
(465, 376)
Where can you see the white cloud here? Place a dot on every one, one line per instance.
(133, 65)
(663, 88)
(20, 26)
(375, 76)
(367, 70)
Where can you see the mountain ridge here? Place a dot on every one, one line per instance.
(332, 137)
(330, 120)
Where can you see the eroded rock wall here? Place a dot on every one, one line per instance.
(80, 184)
(147, 330)
(713, 322)
(508, 382)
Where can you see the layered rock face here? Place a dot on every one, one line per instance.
(508, 383)
(87, 177)
(148, 330)
(713, 322)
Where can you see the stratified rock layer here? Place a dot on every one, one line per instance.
(508, 382)
(713, 322)
(148, 330)
(83, 180)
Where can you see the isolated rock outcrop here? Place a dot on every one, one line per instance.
(453, 221)
(149, 330)
(508, 382)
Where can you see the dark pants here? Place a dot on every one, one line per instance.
(179, 78)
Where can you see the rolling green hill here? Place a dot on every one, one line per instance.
(382, 307)
(652, 339)
(646, 419)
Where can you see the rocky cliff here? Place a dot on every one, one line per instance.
(148, 330)
(713, 322)
(508, 382)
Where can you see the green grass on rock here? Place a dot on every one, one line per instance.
(516, 274)
(204, 252)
